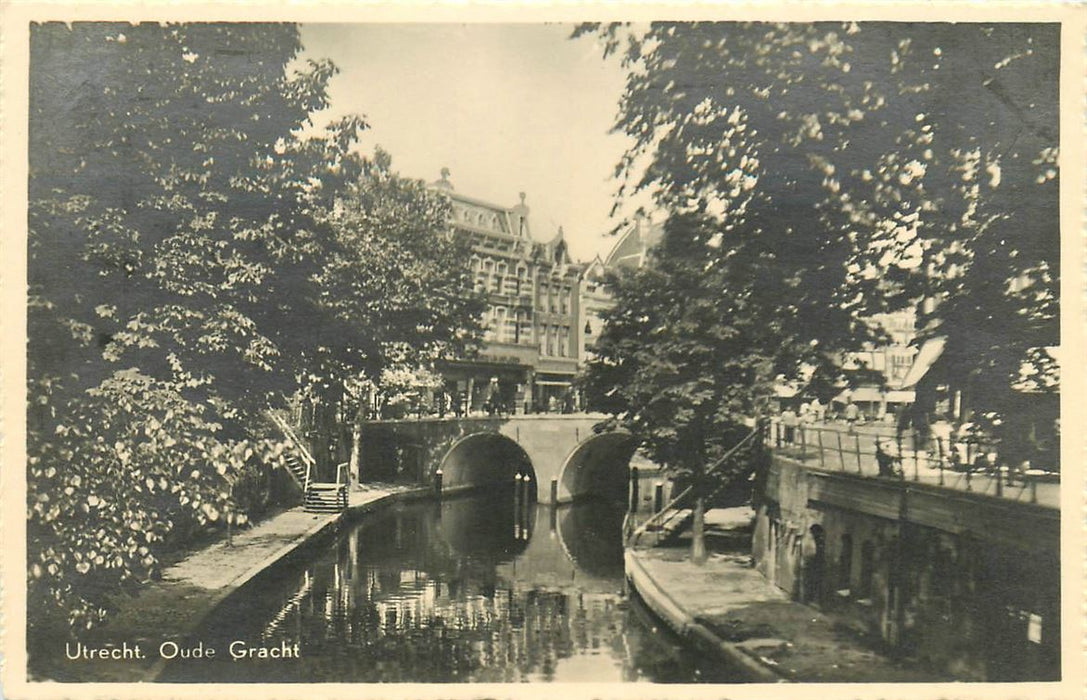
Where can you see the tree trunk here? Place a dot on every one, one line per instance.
(355, 464)
(698, 541)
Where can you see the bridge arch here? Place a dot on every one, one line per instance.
(483, 460)
(598, 466)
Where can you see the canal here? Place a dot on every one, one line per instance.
(473, 589)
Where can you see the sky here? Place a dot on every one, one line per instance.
(508, 108)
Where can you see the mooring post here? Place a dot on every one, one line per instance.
(554, 491)
(633, 489)
(526, 503)
(438, 483)
(940, 457)
(658, 497)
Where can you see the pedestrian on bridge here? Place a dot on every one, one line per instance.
(851, 415)
(790, 420)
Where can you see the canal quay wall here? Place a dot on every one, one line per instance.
(964, 583)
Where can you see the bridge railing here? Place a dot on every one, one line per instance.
(673, 513)
(966, 464)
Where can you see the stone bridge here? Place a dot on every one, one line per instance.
(563, 458)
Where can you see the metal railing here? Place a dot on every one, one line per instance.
(966, 464)
(665, 515)
(307, 458)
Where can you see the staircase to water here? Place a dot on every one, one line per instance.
(317, 497)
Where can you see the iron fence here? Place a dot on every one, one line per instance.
(966, 463)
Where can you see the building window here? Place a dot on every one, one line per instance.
(499, 324)
(489, 325)
(564, 299)
(563, 336)
(521, 274)
(509, 327)
(526, 330)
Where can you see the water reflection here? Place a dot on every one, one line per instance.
(472, 589)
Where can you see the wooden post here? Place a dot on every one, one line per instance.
(822, 457)
(940, 456)
(633, 489)
(554, 491)
(698, 540)
(658, 497)
(841, 455)
(857, 444)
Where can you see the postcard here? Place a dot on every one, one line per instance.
(464, 350)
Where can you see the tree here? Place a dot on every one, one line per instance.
(393, 295)
(843, 170)
(167, 196)
(814, 175)
(684, 356)
(192, 257)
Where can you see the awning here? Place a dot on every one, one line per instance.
(930, 351)
(900, 396)
(864, 394)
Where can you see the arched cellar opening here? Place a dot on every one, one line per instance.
(598, 467)
(487, 461)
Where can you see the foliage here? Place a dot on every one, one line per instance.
(679, 355)
(132, 463)
(193, 256)
(393, 289)
(841, 170)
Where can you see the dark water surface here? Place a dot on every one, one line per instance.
(474, 589)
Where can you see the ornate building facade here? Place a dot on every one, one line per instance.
(532, 345)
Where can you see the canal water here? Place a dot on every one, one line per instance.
(474, 589)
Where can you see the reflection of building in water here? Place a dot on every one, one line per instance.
(399, 600)
(506, 620)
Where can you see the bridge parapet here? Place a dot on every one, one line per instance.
(559, 448)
